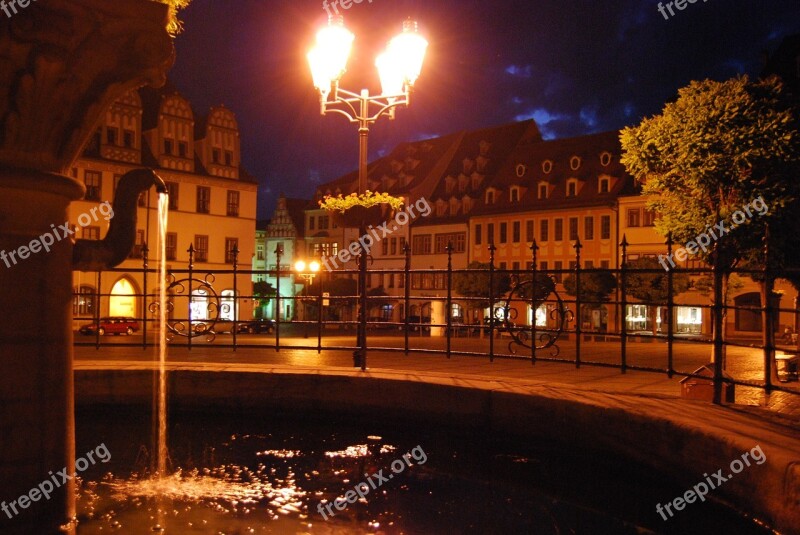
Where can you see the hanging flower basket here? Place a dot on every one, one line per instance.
(356, 210)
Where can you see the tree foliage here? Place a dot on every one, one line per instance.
(718, 147)
(476, 284)
(596, 286)
(652, 287)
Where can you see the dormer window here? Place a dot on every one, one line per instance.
(514, 194)
(547, 166)
(521, 168)
(575, 163)
(572, 188)
(605, 159)
(168, 146)
(544, 190)
(490, 196)
(604, 185)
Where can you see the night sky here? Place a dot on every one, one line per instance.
(575, 66)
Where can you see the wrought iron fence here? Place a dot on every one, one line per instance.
(523, 314)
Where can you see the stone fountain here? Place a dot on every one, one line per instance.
(62, 62)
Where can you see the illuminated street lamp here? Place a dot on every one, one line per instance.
(398, 67)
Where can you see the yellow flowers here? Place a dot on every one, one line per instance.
(368, 199)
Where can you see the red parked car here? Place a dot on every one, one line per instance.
(115, 326)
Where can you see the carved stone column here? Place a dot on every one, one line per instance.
(62, 62)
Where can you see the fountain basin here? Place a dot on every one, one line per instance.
(677, 438)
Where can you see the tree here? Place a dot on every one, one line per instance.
(475, 285)
(263, 292)
(652, 288)
(596, 286)
(718, 148)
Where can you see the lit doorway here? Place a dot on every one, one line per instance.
(122, 301)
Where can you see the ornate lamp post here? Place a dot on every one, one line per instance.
(399, 67)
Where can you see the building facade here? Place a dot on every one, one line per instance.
(212, 205)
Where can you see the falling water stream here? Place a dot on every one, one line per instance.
(163, 217)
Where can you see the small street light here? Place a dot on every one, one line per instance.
(398, 67)
(306, 271)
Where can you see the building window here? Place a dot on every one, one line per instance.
(514, 195)
(588, 228)
(572, 188)
(138, 246)
(649, 219)
(605, 159)
(231, 248)
(128, 139)
(573, 228)
(215, 155)
(490, 196)
(393, 247)
(228, 158)
(558, 231)
(516, 231)
(547, 166)
(543, 191)
(385, 247)
(605, 227)
(111, 136)
(168, 146)
(529, 230)
(574, 163)
(478, 235)
(91, 233)
(83, 302)
(143, 197)
(324, 222)
(92, 179)
(172, 190)
(634, 217)
(233, 203)
(503, 232)
(490, 233)
(401, 244)
(203, 199)
(456, 239)
(422, 244)
(172, 245)
(200, 248)
(558, 265)
(312, 222)
(544, 230)
(605, 185)
(183, 149)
